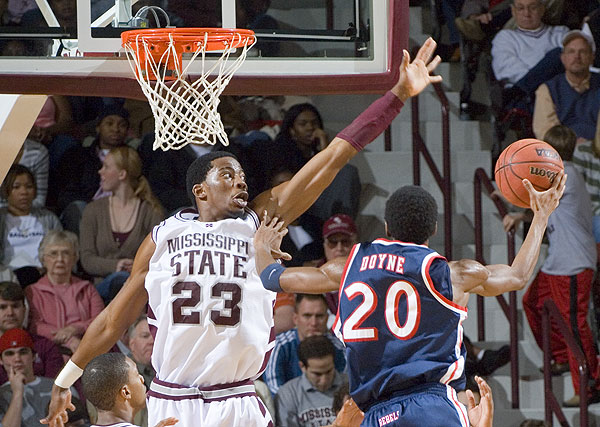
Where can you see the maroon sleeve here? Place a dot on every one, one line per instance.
(48, 361)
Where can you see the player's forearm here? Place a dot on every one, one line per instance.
(524, 263)
(307, 280)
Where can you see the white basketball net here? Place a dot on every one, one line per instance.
(185, 111)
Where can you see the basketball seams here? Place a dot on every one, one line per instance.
(512, 167)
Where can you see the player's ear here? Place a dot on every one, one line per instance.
(302, 367)
(199, 191)
(387, 232)
(125, 392)
(435, 229)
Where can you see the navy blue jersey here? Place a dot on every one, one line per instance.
(398, 321)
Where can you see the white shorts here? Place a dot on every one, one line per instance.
(215, 406)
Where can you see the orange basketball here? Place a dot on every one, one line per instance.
(527, 158)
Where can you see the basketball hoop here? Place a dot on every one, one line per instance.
(185, 111)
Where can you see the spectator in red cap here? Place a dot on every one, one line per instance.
(47, 360)
(25, 397)
(339, 235)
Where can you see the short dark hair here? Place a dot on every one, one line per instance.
(102, 379)
(315, 347)
(563, 140)
(10, 291)
(196, 173)
(411, 214)
(11, 176)
(338, 396)
(311, 297)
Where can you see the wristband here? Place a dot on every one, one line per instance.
(270, 277)
(69, 374)
(372, 122)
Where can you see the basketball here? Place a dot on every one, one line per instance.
(527, 158)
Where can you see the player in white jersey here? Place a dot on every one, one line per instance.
(213, 322)
(111, 382)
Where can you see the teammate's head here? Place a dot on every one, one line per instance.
(341, 395)
(310, 315)
(112, 379)
(17, 352)
(339, 234)
(528, 13)
(411, 215)
(316, 355)
(563, 140)
(217, 181)
(12, 306)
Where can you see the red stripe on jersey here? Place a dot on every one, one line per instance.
(336, 324)
(434, 290)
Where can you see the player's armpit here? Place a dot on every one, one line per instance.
(311, 280)
(109, 325)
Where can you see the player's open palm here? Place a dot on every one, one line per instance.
(269, 236)
(544, 202)
(481, 415)
(171, 421)
(60, 401)
(416, 75)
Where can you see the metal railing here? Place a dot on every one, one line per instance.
(419, 148)
(481, 181)
(551, 404)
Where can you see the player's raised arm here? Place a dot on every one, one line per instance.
(470, 276)
(275, 277)
(291, 199)
(103, 333)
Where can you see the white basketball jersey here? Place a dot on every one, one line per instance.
(213, 317)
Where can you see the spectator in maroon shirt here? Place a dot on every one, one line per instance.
(48, 360)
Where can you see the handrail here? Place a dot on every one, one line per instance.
(550, 402)
(481, 181)
(444, 181)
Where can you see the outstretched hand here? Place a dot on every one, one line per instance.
(415, 76)
(481, 415)
(60, 401)
(544, 202)
(269, 235)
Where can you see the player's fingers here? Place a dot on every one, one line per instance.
(426, 51)
(405, 60)
(470, 399)
(70, 407)
(434, 63)
(435, 79)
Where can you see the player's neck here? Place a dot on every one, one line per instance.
(117, 415)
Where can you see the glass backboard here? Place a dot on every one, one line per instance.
(73, 47)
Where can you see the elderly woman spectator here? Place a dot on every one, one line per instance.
(61, 305)
(22, 226)
(112, 228)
